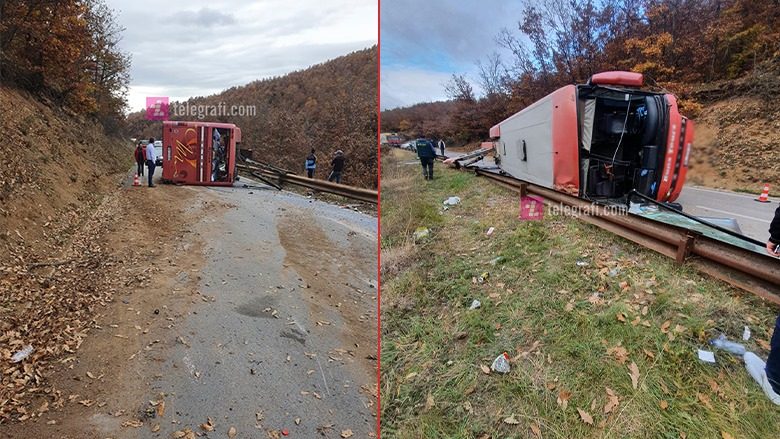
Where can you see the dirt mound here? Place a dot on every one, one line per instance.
(737, 139)
(55, 167)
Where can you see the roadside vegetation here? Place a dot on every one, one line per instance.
(603, 348)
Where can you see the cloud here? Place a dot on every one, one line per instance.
(404, 86)
(442, 37)
(205, 17)
(201, 48)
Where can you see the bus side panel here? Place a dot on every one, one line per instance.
(525, 144)
(670, 155)
(565, 156)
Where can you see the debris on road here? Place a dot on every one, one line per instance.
(729, 346)
(420, 233)
(706, 356)
(501, 364)
(452, 201)
(22, 354)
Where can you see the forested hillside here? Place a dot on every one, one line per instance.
(707, 52)
(329, 106)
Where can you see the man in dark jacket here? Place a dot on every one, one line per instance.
(426, 153)
(140, 158)
(338, 167)
(773, 362)
(311, 164)
(772, 246)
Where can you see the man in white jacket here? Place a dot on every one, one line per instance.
(150, 159)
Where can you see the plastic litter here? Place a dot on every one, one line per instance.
(420, 233)
(483, 277)
(746, 333)
(707, 356)
(501, 364)
(756, 367)
(582, 263)
(475, 304)
(495, 261)
(490, 231)
(452, 201)
(729, 346)
(24, 353)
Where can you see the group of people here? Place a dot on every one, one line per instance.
(337, 165)
(427, 154)
(147, 155)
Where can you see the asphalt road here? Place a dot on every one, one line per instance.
(753, 217)
(285, 338)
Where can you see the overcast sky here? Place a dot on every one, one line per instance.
(186, 48)
(424, 42)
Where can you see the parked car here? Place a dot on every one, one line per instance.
(158, 152)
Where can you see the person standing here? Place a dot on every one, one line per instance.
(139, 158)
(426, 153)
(311, 164)
(773, 362)
(441, 146)
(150, 158)
(338, 167)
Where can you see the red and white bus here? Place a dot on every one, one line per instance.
(599, 140)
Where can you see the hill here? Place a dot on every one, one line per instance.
(329, 106)
(57, 165)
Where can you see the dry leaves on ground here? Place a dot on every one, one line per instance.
(585, 416)
(634, 374)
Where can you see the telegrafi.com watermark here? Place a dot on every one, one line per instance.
(159, 108)
(532, 209)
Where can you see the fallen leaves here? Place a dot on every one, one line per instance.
(563, 399)
(208, 425)
(619, 353)
(664, 405)
(585, 416)
(132, 423)
(485, 369)
(705, 399)
(612, 401)
(346, 433)
(511, 420)
(634, 374)
(535, 429)
(232, 432)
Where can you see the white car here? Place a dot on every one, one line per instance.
(158, 152)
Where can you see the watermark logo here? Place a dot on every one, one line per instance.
(531, 208)
(157, 107)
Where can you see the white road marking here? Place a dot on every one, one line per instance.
(724, 192)
(735, 214)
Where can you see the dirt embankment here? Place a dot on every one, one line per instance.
(54, 168)
(737, 137)
(56, 270)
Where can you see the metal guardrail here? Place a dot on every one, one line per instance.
(750, 271)
(282, 176)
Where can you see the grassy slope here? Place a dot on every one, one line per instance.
(536, 302)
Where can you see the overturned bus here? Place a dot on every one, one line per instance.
(599, 140)
(200, 153)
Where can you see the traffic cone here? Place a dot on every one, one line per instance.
(764, 198)
(136, 182)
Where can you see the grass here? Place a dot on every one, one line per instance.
(566, 325)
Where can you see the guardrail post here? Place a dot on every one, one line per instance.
(684, 246)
